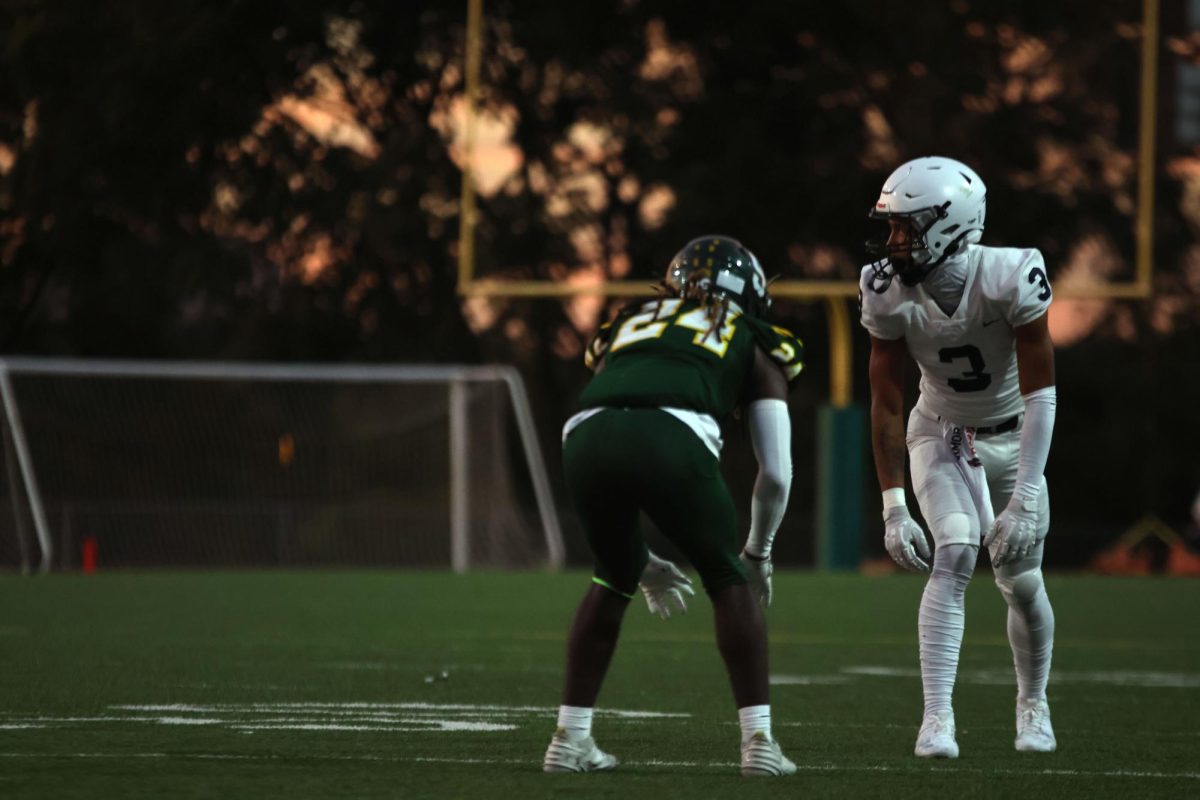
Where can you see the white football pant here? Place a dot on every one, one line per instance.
(960, 482)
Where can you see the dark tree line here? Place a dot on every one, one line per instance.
(268, 180)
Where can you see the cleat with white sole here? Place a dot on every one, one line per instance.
(936, 738)
(578, 755)
(762, 756)
(1034, 732)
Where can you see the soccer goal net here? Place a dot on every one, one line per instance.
(147, 464)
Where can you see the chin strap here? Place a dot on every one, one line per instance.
(882, 278)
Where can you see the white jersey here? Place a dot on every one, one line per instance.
(968, 359)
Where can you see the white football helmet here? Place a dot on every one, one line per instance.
(944, 202)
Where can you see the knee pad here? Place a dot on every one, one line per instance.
(1022, 588)
(955, 560)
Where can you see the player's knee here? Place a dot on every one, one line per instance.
(955, 562)
(1023, 588)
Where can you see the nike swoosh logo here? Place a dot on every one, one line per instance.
(990, 321)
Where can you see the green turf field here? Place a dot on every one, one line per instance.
(429, 685)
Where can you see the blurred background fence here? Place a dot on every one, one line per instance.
(284, 182)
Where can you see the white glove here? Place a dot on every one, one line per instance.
(758, 571)
(1014, 533)
(901, 535)
(663, 584)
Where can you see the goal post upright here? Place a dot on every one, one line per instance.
(537, 467)
(12, 416)
(13, 482)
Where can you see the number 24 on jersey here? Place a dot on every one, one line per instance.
(653, 321)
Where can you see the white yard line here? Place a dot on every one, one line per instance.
(405, 726)
(1074, 773)
(345, 708)
(1148, 679)
(871, 725)
(809, 680)
(412, 717)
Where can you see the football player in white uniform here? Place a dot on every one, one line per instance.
(974, 320)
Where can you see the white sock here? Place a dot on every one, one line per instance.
(576, 721)
(940, 623)
(754, 719)
(1031, 634)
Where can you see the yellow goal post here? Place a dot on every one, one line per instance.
(834, 294)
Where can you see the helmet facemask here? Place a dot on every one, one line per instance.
(912, 260)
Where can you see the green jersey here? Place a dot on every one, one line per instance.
(671, 353)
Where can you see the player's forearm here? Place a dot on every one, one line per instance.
(1035, 368)
(771, 437)
(887, 442)
(1037, 429)
(887, 363)
(1035, 356)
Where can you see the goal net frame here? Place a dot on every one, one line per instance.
(455, 376)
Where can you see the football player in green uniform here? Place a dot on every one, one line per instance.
(647, 439)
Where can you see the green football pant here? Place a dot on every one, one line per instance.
(622, 461)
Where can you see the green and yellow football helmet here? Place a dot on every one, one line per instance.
(719, 266)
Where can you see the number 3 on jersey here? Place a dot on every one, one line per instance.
(973, 379)
(1038, 275)
(652, 321)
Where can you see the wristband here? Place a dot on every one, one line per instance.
(892, 498)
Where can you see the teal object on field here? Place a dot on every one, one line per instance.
(840, 454)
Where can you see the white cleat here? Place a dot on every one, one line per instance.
(762, 756)
(1034, 732)
(936, 738)
(579, 755)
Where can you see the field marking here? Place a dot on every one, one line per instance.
(311, 726)
(412, 717)
(315, 707)
(966, 729)
(334, 720)
(907, 640)
(1147, 679)
(396, 666)
(808, 680)
(870, 725)
(915, 769)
